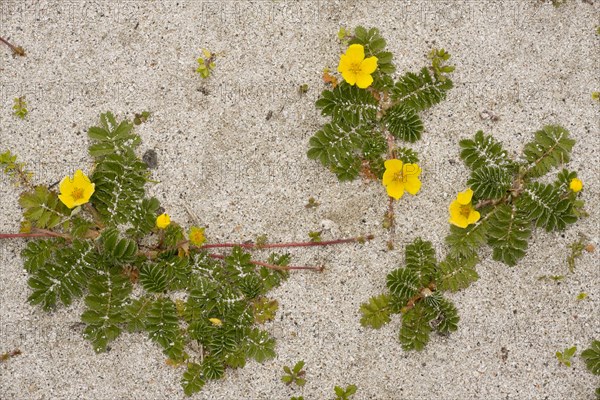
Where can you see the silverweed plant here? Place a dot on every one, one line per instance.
(504, 200)
(101, 238)
(373, 111)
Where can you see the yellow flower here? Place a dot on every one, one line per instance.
(216, 321)
(197, 237)
(576, 185)
(162, 221)
(77, 190)
(355, 68)
(462, 212)
(399, 177)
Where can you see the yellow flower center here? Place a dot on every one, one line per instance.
(465, 210)
(398, 176)
(77, 194)
(355, 68)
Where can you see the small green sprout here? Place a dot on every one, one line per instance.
(20, 107)
(312, 203)
(315, 236)
(297, 398)
(302, 89)
(342, 394)
(261, 240)
(565, 357)
(294, 375)
(596, 96)
(555, 278)
(344, 35)
(206, 64)
(140, 118)
(577, 248)
(582, 296)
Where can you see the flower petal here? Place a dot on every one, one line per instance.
(411, 170)
(412, 184)
(465, 196)
(88, 191)
(393, 165)
(66, 200)
(356, 53)
(395, 189)
(456, 218)
(349, 77)
(344, 64)
(65, 185)
(369, 65)
(473, 217)
(363, 80)
(388, 176)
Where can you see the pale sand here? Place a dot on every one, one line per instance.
(528, 62)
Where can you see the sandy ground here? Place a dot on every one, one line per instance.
(529, 63)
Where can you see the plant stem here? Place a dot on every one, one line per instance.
(97, 218)
(359, 239)
(18, 50)
(35, 234)
(271, 266)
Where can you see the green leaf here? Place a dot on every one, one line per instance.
(404, 283)
(37, 253)
(120, 250)
(508, 234)
(490, 182)
(119, 191)
(112, 137)
(447, 319)
(213, 368)
(420, 91)
(136, 312)
(163, 326)
(376, 312)
(406, 155)
(153, 278)
(337, 146)
(403, 122)
(464, 242)
(265, 310)
(415, 330)
(64, 277)
(43, 208)
(550, 148)
(193, 379)
(420, 257)
(457, 273)
(484, 151)
(260, 345)
(543, 204)
(143, 217)
(105, 308)
(592, 357)
(348, 104)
